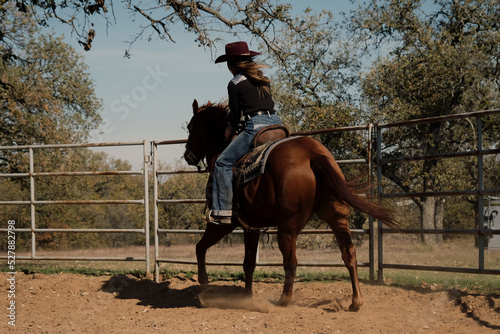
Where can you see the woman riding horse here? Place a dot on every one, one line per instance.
(251, 108)
(301, 179)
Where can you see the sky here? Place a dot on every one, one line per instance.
(149, 95)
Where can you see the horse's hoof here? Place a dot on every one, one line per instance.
(204, 286)
(283, 302)
(354, 307)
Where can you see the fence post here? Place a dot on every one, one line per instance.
(155, 203)
(32, 203)
(371, 236)
(380, 274)
(480, 188)
(146, 203)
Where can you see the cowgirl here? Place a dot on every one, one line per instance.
(251, 108)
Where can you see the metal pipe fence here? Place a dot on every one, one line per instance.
(374, 160)
(33, 203)
(480, 232)
(158, 259)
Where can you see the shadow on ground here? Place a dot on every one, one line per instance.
(163, 295)
(149, 293)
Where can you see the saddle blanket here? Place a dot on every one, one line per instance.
(253, 164)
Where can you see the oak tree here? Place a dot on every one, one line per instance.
(441, 57)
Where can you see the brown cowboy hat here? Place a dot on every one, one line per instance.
(236, 51)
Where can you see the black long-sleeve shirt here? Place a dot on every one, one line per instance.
(244, 99)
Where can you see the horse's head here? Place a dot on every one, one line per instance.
(206, 133)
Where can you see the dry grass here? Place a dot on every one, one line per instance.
(460, 253)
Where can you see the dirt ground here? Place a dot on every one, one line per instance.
(66, 303)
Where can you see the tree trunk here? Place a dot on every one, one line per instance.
(429, 181)
(439, 219)
(427, 219)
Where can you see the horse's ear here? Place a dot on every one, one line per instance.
(209, 103)
(195, 106)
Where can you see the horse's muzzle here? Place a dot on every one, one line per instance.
(191, 159)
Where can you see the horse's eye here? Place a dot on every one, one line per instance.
(190, 127)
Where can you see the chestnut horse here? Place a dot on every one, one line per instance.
(301, 178)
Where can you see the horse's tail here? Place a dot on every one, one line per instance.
(348, 192)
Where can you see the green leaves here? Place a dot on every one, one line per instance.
(439, 59)
(46, 95)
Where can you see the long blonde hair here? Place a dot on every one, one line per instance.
(254, 74)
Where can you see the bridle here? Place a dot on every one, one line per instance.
(193, 160)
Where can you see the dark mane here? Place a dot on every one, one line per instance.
(213, 107)
(215, 114)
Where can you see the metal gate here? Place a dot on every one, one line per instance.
(482, 231)
(33, 202)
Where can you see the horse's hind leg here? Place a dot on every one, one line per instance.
(287, 245)
(337, 219)
(213, 234)
(348, 251)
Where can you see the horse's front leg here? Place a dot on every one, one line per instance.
(213, 234)
(251, 246)
(287, 245)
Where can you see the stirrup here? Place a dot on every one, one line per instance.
(222, 221)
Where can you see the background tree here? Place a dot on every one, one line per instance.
(46, 96)
(443, 58)
(316, 86)
(315, 74)
(316, 82)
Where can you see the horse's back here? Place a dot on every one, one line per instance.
(296, 160)
(298, 151)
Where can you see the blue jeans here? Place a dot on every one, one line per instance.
(223, 171)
